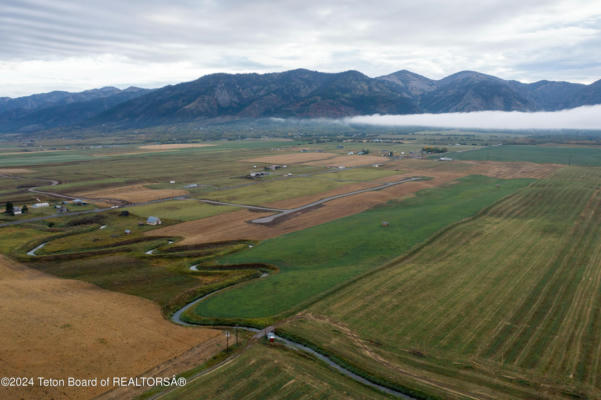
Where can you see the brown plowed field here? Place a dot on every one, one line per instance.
(57, 328)
(132, 193)
(234, 225)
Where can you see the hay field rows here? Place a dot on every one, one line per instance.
(505, 306)
(568, 155)
(265, 372)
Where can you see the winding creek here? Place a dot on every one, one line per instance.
(177, 319)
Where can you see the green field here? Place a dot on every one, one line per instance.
(180, 210)
(297, 186)
(265, 372)
(507, 305)
(590, 156)
(316, 259)
(40, 158)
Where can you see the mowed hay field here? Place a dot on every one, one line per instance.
(265, 372)
(540, 154)
(316, 259)
(132, 193)
(507, 305)
(58, 328)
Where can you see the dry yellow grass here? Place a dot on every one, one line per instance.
(15, 171)
(58, 328)
(132, 193)
(174, 146)
(292, 158)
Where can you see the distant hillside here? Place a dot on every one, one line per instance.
(60, 109)
(298, 93)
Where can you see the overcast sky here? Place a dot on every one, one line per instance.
(76, 45)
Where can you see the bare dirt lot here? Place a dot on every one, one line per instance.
(348, 161)
(132, 193)
(10, 171)
(58, 328)
(292, 158)
(235, 225)
(174, 146)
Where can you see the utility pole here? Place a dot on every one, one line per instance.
(227, 341)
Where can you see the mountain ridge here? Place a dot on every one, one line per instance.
(299, 93)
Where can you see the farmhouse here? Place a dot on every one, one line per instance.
(17, 210)
(153, 221)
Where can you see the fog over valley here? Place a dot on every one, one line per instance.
(586, 117)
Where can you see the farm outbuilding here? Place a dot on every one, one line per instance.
(153, 220)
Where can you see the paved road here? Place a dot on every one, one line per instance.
(249, 206)
(283, 213)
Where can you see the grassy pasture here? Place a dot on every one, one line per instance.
(180, 210)
(81, 168)
(314, 260)
(274, 190)
(41, 158)
(588, 156)
(273, 372)
(507, 305)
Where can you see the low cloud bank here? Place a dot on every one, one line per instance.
(586, 117)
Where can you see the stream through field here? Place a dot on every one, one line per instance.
(177, 319)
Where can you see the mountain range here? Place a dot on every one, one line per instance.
(298, 93)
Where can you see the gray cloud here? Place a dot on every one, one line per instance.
(586, 117)
(152, 42)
